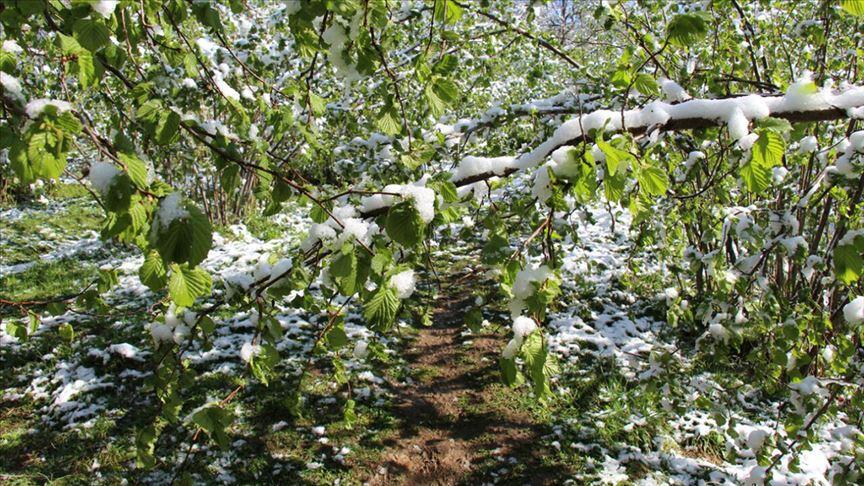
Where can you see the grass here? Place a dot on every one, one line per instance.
(48, 280)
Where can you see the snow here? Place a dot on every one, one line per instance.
(126, 350)
(10, 46)
(808, 145)
(672, 91)
(105, 8)
(853, 312)
(12, 87)
(471, 166)
(102, 176)
(318, 232)
(736, 113)
(361, 349)
(248, 351)
(403, 283)
(525, 285)
(423, 198)
(161, 332)
(224, 87)
(756, 439)
(512, 348)
(171, 209)
(808, 386)
(36, 107)
(523, 326)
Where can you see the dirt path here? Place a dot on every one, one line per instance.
(456, 421)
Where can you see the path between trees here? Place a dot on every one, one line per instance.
(457, 423)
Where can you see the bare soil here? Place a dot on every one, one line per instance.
(456, 420)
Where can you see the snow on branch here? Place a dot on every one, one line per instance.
(798, 105)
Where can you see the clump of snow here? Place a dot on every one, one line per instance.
(423, 198)
(11, 47)
(403, 283)
(808, 145)
(854, 311)
(161, 332)
(36, 107)
(523, 326)
(224, 87)
(318, 232)
(171, 209)
(525, 284)
(125, 350)
(718, 331)
(354, 229)
(756, 439)
(102, 175)
(471, 166)
(807, 386)
(361, 349)
(105, 8)
(672, 91)
(737, 113)
(248, 351)
(12, 86)
(512, 348)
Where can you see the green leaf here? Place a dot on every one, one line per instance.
(388, 120)
(653, 181)
(107, 280)
(206, 325)
(214, 419)
(613, 186)
(17, 330)
(168, 130)
(119, 193)
(447, 11)
(767, 153)
(91, 34)
(153, 273)
(620, 78)
(336, 337)
(404, 225)
(318, 104)
(383, 257)
(185, 239)
(187, 284)
(440, 94)
(779, 125)
(66, 331)
(853, 7)
(136, 168)
(614, 155)
(496, 249)
(510, 374)
(685, 30)
(145, 442)
(537, 361)
(381, 309)
(646, 84)
(848, 261)
(149, 114)
(86, 68)
(349, 415)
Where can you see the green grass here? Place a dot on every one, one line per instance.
(48, 280)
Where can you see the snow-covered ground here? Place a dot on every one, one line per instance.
(101, 376)
(619, 328)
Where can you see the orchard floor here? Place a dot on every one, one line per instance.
(430, 405)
